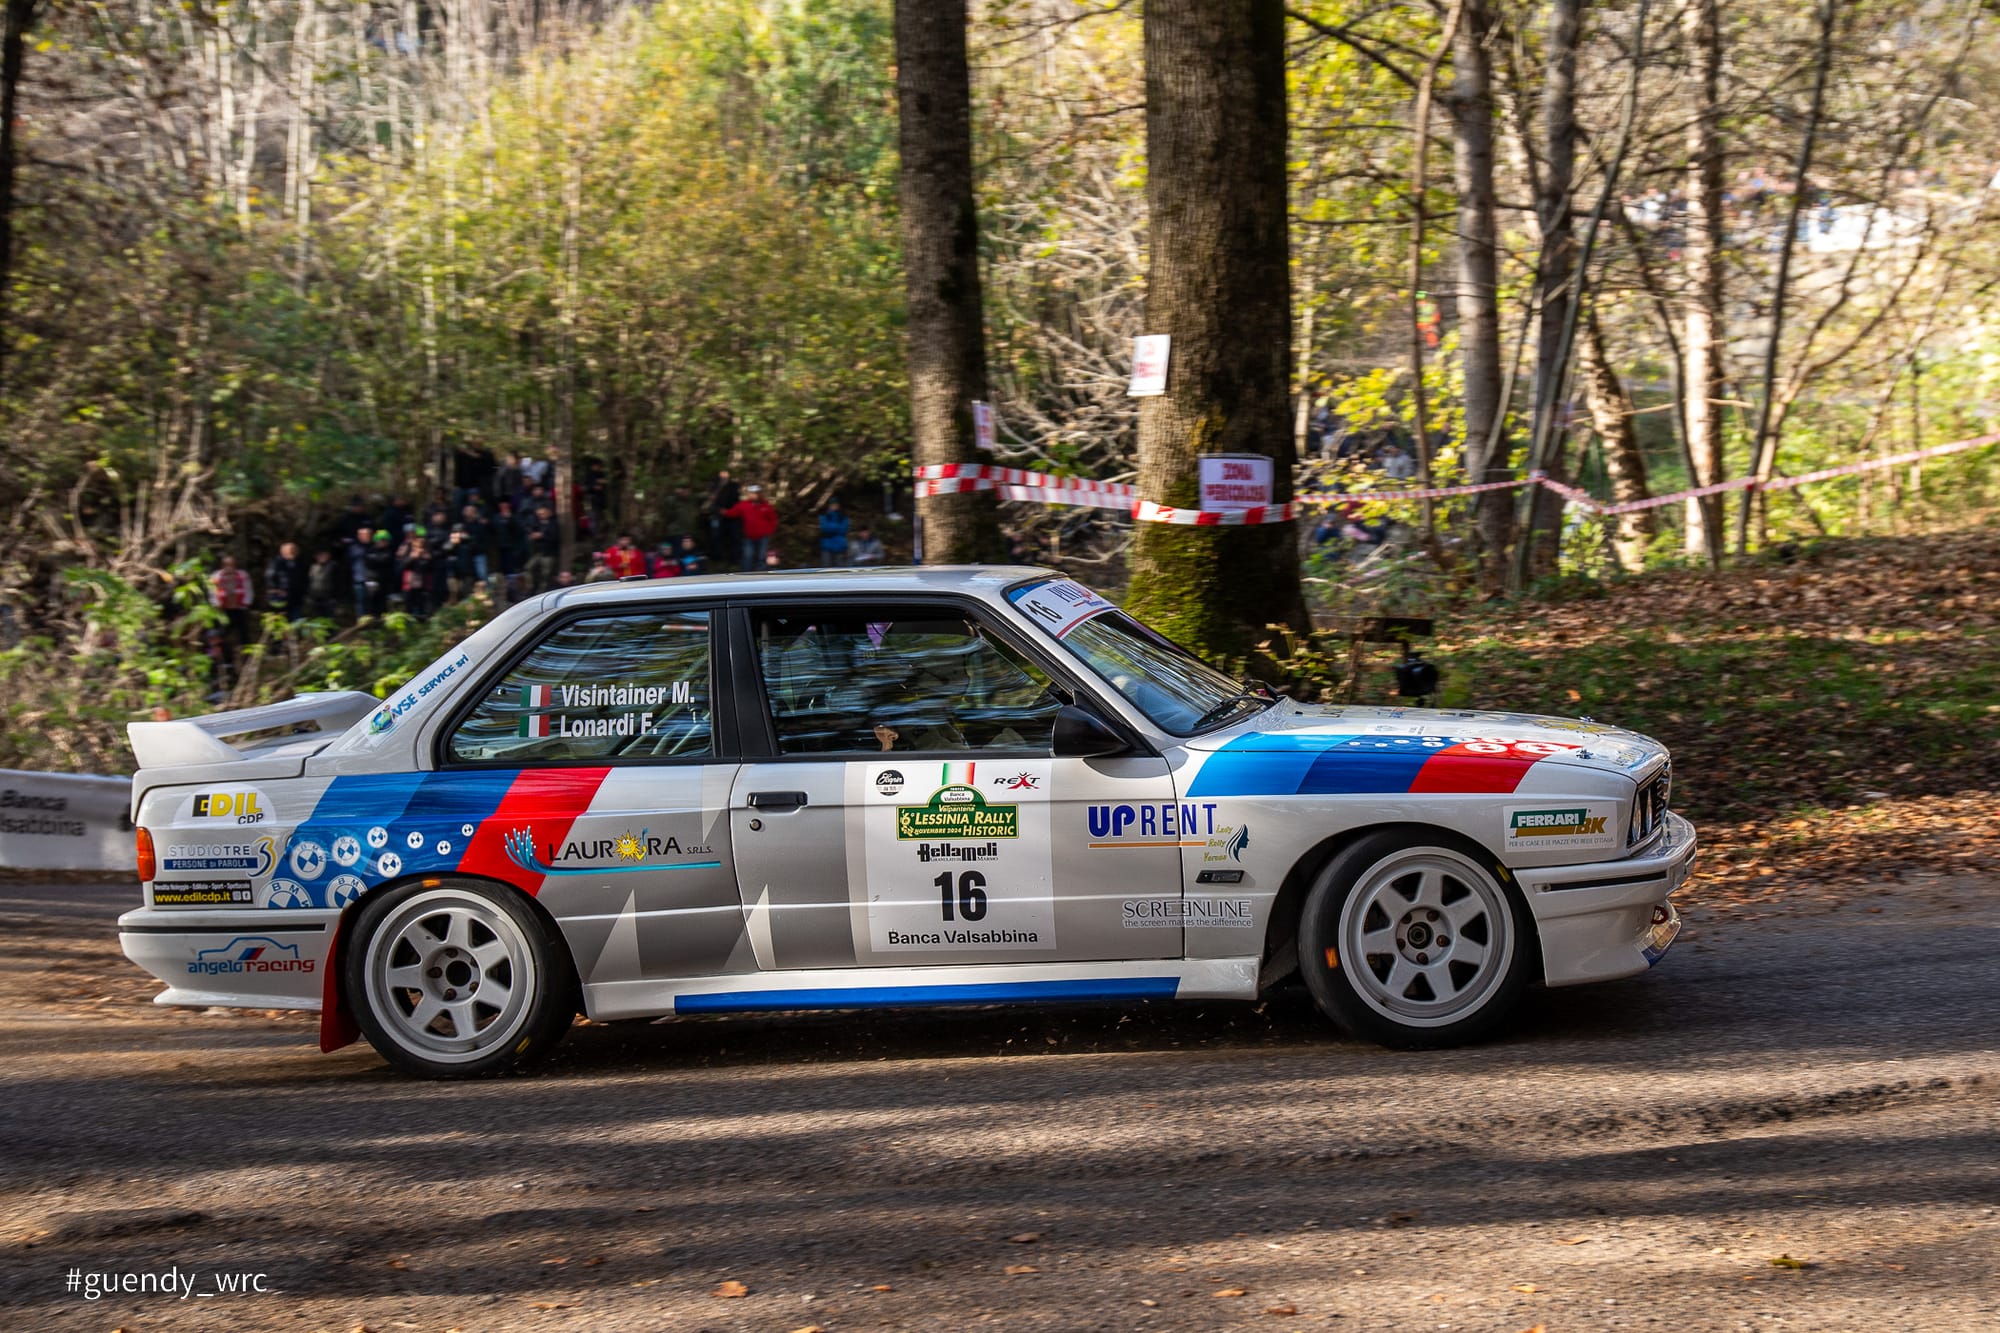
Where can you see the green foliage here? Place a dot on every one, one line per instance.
(129, 658)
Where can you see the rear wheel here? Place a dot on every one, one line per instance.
(457, 979)
(1413, 942)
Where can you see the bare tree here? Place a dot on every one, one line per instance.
(947, 339)
(1764, 443)
(1611, 414)
(1703, 340)
(20, 18)
(1478, 248)
(1557, 278)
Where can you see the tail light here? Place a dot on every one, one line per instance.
(147, 865)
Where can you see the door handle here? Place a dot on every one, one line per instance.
(776, 800)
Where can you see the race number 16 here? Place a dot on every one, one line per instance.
(971, 894)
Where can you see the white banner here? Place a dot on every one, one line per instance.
(1235, 481)
(65, 821)
(1149, 365)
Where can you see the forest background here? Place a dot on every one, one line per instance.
(266, 255)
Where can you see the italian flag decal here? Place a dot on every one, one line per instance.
(536, 696)
(965, 772)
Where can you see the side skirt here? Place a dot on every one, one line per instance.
(890, 987)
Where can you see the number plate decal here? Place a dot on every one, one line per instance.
(957, 856)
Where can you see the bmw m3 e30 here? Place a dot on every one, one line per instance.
(840, 789)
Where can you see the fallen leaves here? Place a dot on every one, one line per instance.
(1285, 1309)
(1526, 1288)
(1863, 668)
(1786, 1261)
(1018, 1270)
(731, 1290)
(1025, 1237)
(1230, 1293)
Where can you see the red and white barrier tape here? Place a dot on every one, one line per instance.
(1429, 493)
(1148, 512)
(994, 476)
(1590, 504)
(1050, 495)
(1048, 488)
(1873, 464)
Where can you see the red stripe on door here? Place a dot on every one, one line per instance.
(545, 802)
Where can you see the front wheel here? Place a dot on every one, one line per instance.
(457, 978)
(1412, 942)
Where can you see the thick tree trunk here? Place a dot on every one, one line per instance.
(947, 336)
(1611, 414)
(20, 17)
(1218, 284)
(1486, 445)
(1703, 344)
(1556, 273)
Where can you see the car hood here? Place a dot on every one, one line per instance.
(1290, 727)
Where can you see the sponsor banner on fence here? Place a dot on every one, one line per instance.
(65, 821)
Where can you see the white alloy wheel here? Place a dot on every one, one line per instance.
(456, 979)
(1427, 935)
(1410, 939)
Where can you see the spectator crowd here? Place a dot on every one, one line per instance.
(497, 528)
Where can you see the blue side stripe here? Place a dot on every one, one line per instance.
(872, 997)
(1258, 765)
(1315, 765)
(375, 798)
(433, 807)
(1352, 771)
(469, 796)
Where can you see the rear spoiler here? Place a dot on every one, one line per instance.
(199, 740)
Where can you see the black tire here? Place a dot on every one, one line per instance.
(426, 959)
(1392, 898)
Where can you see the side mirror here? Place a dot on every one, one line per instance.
(1079, 733)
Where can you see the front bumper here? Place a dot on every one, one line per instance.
(1609, 919)
(252, 960)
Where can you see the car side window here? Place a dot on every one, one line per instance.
(898, 679)
(627, 686)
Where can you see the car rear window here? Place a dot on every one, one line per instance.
(629, 686)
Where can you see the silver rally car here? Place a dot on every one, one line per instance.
(835, 790)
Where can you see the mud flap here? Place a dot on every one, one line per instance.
(337, 1027)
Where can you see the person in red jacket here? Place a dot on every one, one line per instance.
(759, 521)
(626, 559)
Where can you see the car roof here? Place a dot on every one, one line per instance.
(980, 580)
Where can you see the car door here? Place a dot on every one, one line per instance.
(601, 745)
(904, 804)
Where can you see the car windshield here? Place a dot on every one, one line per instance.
(1172, 687)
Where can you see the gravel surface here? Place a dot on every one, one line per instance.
(1790, 1124)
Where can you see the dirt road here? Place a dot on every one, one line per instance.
(1819, 1086)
